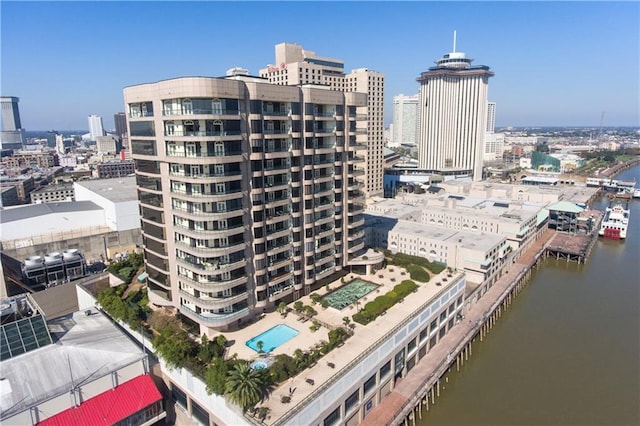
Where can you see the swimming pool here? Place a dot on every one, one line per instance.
(272, 338)
(349, 293)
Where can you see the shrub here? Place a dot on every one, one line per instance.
(405, 288)
(418, 273)
(298, 306)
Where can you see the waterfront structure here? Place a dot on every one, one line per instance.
(12, 133)
(295, 65)
(95, 127)
(93, 371)
(250, 192)
(406, 113)
(453, 118)
(53, 194)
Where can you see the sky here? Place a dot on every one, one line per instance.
(556, 63)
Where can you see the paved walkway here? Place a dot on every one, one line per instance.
(431, 366)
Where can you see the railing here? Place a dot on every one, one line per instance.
(218, 154)
(216, 319)
(174, 112)
(278, 113)
(215, 302)
(202, 133)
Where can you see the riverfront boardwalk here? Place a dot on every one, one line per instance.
(409, 391)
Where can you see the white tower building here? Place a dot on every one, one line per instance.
(295, 66)
(453, 118)
(491, 117)
(95, 127)
(405, 119)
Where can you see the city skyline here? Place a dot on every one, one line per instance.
(550, 68)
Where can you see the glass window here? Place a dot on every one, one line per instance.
(333, 418)
(385, 370)
(142, 128)
(370, 384)
(143, 147)
(352, 401)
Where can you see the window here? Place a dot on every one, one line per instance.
(332, 418)
(370, 384)
(352, 401)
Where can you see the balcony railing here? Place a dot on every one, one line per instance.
(214, 319)
(211, 111)
(200, 133)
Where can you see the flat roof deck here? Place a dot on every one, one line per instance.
(340, 357)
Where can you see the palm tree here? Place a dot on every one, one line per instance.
(246, 386)
(282, 308)
(260, 345)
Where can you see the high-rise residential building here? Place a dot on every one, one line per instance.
(405, 119)
(120, 121)
(95, 126)
(250, 193)
(453, 118)
(12, 133)
(491, 117)
(294, 66)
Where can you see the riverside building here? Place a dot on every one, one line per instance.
(294, 65)
(453, 116)
(250, 193)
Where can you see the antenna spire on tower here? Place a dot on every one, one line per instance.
(454, 41)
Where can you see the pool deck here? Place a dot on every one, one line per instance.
(340, 357)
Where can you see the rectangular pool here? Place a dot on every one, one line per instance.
(349, 293)
(272, 338)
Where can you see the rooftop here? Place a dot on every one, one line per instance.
(89, 343)
(117, 189)
(35, 210)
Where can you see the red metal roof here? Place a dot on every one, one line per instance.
(109, 407)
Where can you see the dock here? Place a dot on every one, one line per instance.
(574, 247)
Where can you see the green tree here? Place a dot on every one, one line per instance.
(298, 306)
(216, 376)
(175, 346)
(260, 345)
(346, 321)
(282, 308)
(246, 386)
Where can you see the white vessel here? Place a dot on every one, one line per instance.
(636, 193)
(615, 222)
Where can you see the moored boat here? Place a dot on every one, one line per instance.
(615, 222)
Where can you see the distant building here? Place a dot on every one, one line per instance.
(53, 194)
(27, 159)
(491, 117)
(295, 65)
(95, 127)
(24, 186)
(406, 119)
(449, 139)
(114, 169)
(107, 144)
(120, 120)
(9, 196)
(12, 133)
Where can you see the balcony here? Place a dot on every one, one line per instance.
(356, 172)
(209, 286)
(201, 133)
(217, 320)
(282, 113)
(354, 248)
(209, 302)
(173, 112)
(211, 251)
(211, 268)
(355, 223)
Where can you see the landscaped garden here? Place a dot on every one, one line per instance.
(418, 267)
(382, 303)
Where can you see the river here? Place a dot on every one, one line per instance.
(567, 351)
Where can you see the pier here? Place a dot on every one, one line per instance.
(419, 390)
(574, 247)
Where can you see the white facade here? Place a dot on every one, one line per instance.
(405, 119)
(493, 146)
(117, 197)
(106, 144)
(95, 127)
(294, 66)
(453, 118)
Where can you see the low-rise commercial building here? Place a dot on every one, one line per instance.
(53, 194)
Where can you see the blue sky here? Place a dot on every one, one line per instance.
(555, 63)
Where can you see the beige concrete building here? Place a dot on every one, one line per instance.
(250, 192)
(295, 65)
(53, 194)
